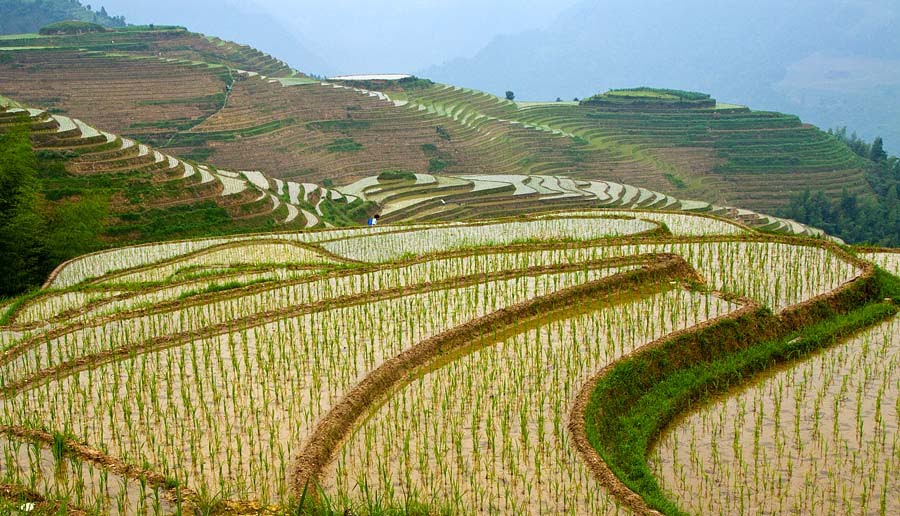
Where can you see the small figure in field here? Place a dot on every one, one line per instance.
(373, 220)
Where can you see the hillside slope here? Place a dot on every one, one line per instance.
(239, 109)
(70, 188)
(834, 63)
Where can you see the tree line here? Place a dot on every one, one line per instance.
(873, 220)
(18, 17)
(37, 234)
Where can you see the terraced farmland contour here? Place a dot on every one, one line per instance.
(213, 101)
(431, 367)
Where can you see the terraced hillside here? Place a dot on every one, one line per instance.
(151, 195)
(408, 197)
(167, 42)
(459, 368)
(124, 191)
(222, 103)
(725, 154)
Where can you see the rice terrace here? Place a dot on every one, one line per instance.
(593, 307)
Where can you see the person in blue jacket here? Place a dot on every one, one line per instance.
(373, 220)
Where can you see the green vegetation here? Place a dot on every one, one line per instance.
(650, 98)
(437, 164)
(358, 210)
(404, 84)
(71, 27)
(344, 145)
(442, 133)
(676, 181)
(854, 218)
(221, 287)
(215, 101)
(396, 175)
(343, 126)
(36, 233)
(59, 446)
(28, 16)
(176, 124)
(198, 154)
(631, 404)
(661, 93)
(188, 139)
(48, 215)
(342, 214)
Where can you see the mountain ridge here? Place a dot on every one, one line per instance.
(755, 56)
(28, 16)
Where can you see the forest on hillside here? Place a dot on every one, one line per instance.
(857, 220)
(37, 234)
(28, 16)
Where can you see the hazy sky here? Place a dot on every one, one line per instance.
(354, 36)
(406, 35)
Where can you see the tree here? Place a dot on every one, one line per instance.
(877, 153)
(22, 253)
(510, 95)
(73, 227)
(849, 205)
(558, 99)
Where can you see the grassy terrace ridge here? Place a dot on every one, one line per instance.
(395, 85)
(631, 402)
(71, 27)
(650, 98)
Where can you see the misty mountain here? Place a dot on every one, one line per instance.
(235, 20)
(28, 16)
(833, 63)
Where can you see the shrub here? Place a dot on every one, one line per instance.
(71, 27)
(437, 164)
(396, 175)
(344, 145)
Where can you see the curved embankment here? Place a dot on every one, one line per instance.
(115, 338)
(620, 412)
(102, 265)
(105, 265)
(789, 441)
(578, 267)
(92, 360)
(334, 428)
(61, 307)
(173, 492)
(15, 496)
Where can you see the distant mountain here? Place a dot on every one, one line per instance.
(234, 20)
(28, 16)
(833, 63)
